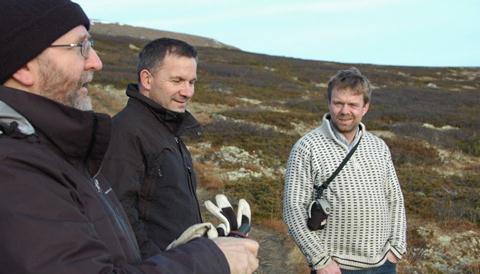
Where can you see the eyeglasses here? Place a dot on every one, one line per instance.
(84, 46)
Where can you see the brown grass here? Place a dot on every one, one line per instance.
(207, 177)
(274, 224)
(472, 269)
(412, 151)
(105, 102)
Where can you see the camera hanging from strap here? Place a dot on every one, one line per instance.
(319, 208)
(322, 187)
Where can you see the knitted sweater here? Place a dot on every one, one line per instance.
(367, 218)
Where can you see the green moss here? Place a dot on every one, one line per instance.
(263, 194)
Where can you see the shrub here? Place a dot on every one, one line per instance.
(317, 106)
(417, 245)
(441, 198)
(470, 145)
(263, 194)
(412, 151)
(272, 146)
(207, 178)
(204, 94)
(283, 120)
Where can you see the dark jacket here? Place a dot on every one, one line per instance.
(151, 170)
(56, 214)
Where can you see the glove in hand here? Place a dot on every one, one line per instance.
(193, 232)
(231, 225)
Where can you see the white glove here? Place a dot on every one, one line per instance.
(231, 225)
(193, 232)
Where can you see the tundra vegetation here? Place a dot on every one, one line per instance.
(254, 107)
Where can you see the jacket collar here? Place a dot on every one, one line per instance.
(81, 135)
(8, 116)
(178, 123)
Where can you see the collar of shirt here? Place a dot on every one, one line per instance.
(342, 138)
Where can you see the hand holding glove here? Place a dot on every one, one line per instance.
(231, 225)
(193, 232)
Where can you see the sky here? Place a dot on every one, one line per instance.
(385, 32)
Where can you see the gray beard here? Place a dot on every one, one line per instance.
(76, 100)
(84, 104)
(54, 82)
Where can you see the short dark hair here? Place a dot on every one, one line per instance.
(353, 79)
(152, 55)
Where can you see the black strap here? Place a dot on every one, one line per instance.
(321, 188)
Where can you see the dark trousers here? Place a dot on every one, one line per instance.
(387, 268)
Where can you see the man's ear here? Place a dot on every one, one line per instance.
(145, 81)
(24, 75)
(365, 108)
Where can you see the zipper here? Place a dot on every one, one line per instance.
(97, 185)
(189, 175)
(119, 220)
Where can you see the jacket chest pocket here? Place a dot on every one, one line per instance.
(166, 173)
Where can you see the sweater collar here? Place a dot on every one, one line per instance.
(81, 135)
(178, 123)
(329, 130)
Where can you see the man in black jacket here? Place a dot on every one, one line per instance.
(148, 164)
(57, 214)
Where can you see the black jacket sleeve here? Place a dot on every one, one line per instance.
(44, 228)
(124, 169)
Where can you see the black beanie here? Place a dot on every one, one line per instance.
(28, 27)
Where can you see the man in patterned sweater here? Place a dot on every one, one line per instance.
(366, 228)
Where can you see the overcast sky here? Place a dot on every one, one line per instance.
(389, 32)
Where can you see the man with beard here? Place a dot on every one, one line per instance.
(58, 215)
(366, 227)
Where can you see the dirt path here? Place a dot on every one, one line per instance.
(273, 253)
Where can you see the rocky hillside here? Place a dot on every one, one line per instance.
(115, 29)
(254, 107)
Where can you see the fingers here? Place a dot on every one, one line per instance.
(236, 225)
(252, 264)
(244, 216)
(331, 268)
(222, 230)
(217, 212)
(392, 258)
(252, 246)
(222, 201)
(227, 210)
